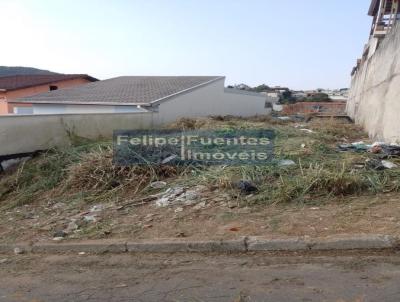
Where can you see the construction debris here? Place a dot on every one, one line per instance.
(179, 196)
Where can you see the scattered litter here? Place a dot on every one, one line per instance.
(303, 146)
(314, 208)
(234, 229)
(391, 150)
(89, 218)
(162, 202)
(18, 251)
(379, 165)
(168, 159)
(307, 130)
(380, 148)
(58, 238)
(148, 226)
(375, 164)
(284, 118)
(376, 149)
(6, 164)
(286, 163)
(178, 195)
(246, 187)
(388, 164)
(361, 146)
(97, 208)
(81, 253)
(358, 146)
(158, 184)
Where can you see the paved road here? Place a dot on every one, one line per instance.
(239, 278)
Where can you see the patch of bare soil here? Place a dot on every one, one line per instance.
(214, 217)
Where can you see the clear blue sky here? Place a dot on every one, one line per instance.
(302, 44)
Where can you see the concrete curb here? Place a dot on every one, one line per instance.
(245, 244)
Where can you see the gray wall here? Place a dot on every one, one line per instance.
(77, 109)
(374, 99)
(212, 99)
(20, 134)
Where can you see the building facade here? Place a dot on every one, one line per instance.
(19, 86)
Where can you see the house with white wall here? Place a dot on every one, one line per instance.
(171, 96)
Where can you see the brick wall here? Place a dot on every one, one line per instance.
(304, 108)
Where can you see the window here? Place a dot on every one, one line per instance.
(52, 87)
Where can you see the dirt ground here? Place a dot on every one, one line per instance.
(195, 277)
(216, 220)
(210, 210)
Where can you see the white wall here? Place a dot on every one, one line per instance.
(70, 108)
(28, 133)
(374, 98)
(211, 100)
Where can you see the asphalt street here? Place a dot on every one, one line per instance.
(351, 277)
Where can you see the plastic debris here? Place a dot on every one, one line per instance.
(89, 218)
(97, 208)
(383, 149)
(375, 164)
(388, 164)
(379, 165)
(168, 159)
(18, 251)
(158, 184)
(286, 163)
(307, 130)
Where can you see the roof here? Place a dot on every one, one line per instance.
(373, 8)
(25, 81)
(127, 90)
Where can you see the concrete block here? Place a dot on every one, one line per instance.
(87, 247)
(267, 244)
(174, 246)
(355, 242)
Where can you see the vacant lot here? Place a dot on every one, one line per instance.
(311, 189)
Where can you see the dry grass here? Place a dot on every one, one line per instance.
(95, 171)
(321, 171)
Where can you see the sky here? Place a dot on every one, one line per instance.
(302, 44)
